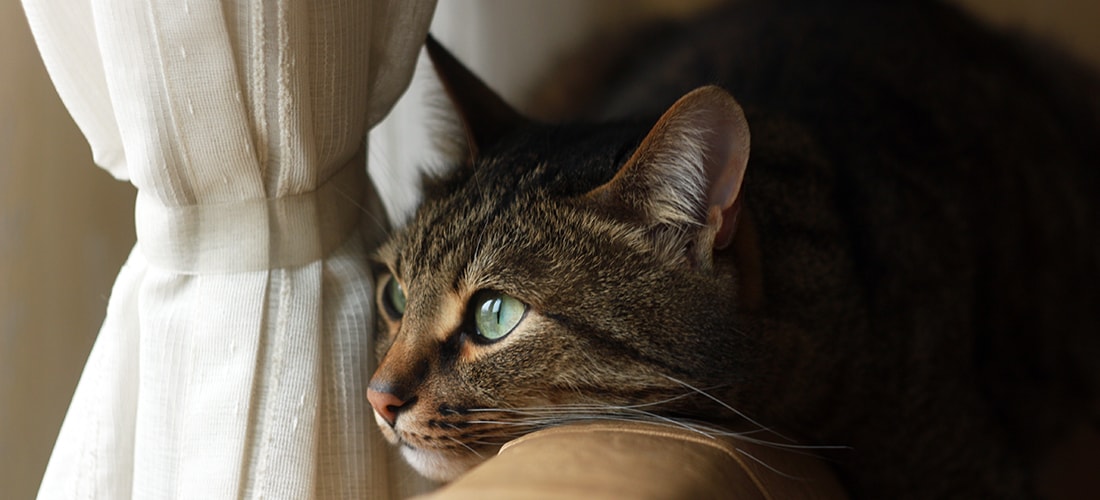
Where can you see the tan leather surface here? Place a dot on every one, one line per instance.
(636, 460)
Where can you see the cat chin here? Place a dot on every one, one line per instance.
(438, 466)
(435, 465)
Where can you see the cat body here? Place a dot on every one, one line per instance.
(900, 260)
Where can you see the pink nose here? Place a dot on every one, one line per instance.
(387, 404)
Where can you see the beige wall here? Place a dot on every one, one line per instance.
(65, 226)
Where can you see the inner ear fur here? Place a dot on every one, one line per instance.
(686, 174)
(485, 116)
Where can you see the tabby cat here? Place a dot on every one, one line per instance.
(886, 246)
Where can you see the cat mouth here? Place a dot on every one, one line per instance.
(440, 457)
(439, 462)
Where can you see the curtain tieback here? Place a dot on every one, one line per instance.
(253, 235)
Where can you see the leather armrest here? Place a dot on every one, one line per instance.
(638, 460)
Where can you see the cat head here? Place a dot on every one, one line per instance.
(560, 273)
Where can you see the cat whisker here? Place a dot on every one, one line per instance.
(553, 416)
(552, 410)
(500, 422)
(525, 419)
(747, 437)
(492, 443)
(727, 406)
(464, 445)
(383, 226)
(800, 448)
(673, 422)
(557, 418)
(791, 447)
(548, 416)
(582, 406)
(765, 465)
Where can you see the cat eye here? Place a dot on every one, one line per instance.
(393, 298)
(496, 314)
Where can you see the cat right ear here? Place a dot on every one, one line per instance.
(484, 114)
(684, 180)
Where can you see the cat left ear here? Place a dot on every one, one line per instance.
(484, 114)
(686, 174)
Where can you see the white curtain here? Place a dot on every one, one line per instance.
(233, 359)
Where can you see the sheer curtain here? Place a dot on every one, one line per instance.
(232, 361)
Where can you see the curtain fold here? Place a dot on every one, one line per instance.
(233, 359)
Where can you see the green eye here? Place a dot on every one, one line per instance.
(496, 314)
(393, 298)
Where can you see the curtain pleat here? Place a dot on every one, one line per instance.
(233, 359)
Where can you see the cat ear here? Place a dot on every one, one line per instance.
(484, 114)
(686, 174)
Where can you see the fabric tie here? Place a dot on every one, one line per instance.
(253, 235)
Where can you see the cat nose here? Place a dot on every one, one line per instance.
(387, 404)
